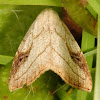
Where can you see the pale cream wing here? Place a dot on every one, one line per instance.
(68, 60)
(32, 57)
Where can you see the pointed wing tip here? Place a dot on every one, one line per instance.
(88, 87)
(12, 88)
(84, 88)
(89, 84)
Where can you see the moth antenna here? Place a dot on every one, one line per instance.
(27, 95)
(47, 95)
(14, 11)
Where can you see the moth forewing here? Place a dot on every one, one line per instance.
(49, 45)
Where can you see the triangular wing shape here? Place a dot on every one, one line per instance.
(48, 45)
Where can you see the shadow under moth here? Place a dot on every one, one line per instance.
(49, 45)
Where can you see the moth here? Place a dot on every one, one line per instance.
(49, 45)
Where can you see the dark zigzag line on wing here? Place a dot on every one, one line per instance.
(67, 63)
(59, 34)
(33, 61)
(55, 32)
(75, 85)
(44, 50)
(39, 34)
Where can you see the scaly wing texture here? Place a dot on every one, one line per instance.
(48, 45)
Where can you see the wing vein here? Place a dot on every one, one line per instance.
(34, 61)
(67, 63)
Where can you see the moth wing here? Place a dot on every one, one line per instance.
(31, 60)
(78, 57)
(68, 60)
